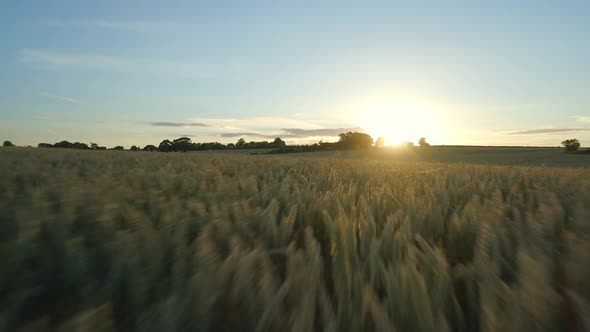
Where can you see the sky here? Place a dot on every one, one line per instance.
(137, 72)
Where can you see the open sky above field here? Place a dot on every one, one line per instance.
(136, 72)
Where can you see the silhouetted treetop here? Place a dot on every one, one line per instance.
(380, 142)
(7, 144)
(150, 148)
(240, 143)
(165, 146)
(355, 140)
(571, 145)
(279, 143)
(422, 142)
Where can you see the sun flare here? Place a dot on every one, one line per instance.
(398, 121)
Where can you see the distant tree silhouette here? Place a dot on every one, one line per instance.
(182, 144)
(64, 145)
(380, 142)
(134, 148)
(422, 142)
(119, 148)
(7, 144)
(571, 145)
(44, 145)
(231, 145)
(94, 146)
(354, 140)
(240, 143)
(80, 146)
(408, 144)
(165, 146)
(279, 143)
(150, 148)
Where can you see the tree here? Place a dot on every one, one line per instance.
(150, 148)
(240, 143)
(64, 144)
(182, 144)
(44, 145)
(134, 148)
(422, 142)
(380, 142)
(408, 144)
(119, 148)
(80, 146)
(279, 143)
(7, 144)
(354, 140)
(94, 146)
(165, 146)
(571, 145)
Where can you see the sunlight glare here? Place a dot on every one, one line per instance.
(398, 121)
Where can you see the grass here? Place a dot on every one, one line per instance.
(521, 156)
(121, 241)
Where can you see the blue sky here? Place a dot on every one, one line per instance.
(137, 72)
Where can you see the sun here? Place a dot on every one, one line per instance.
(398, 121)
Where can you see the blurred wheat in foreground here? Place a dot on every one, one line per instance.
(119, 241)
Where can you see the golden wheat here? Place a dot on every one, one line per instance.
(120, 241)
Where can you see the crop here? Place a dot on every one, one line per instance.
(121, 241)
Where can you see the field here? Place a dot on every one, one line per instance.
(438, 239)
(523, 156)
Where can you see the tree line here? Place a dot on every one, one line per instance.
(182, 144)
(346, 141)
(349, 140)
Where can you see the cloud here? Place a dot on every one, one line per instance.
(294, 130)
(297, 132)
(129, 26)
(231, 135)
(585, 119)
(179, 125)
(547, 131)
(60, 98)
(61, 60)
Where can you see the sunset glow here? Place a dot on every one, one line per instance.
(399, 120)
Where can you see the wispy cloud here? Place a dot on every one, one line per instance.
(179, 125)
(297, 132)
(547, 131)
(269, 124)
(61, 60)
(267, 128)
(129, 26)
(60, 98)
(584, 119)
(232, 135)
(80, 61)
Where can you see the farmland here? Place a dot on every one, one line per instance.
(440, 239)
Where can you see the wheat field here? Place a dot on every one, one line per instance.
(122, 241)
